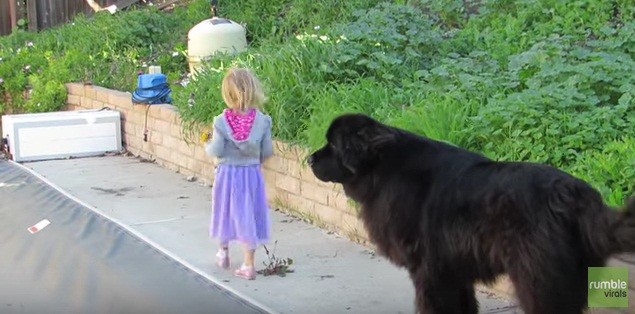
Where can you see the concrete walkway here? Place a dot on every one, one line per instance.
(331, 274)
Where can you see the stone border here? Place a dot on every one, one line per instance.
(291, 186)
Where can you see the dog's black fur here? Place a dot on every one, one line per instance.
(452, 217)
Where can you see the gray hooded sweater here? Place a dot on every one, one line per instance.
(251, 151)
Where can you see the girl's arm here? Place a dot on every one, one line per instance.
(216, 147)
(266, 145)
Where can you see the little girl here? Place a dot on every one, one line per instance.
(241, 140)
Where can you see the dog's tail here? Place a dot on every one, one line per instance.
(606, 231)
(623, 228)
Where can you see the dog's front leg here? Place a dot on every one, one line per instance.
(442, 293)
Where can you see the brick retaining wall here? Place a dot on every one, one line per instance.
(291, 186)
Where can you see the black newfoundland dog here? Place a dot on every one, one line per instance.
(452, 217)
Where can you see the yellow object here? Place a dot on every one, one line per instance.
(204, 136)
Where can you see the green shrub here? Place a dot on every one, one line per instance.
(383, 42)
(610, 169)
(538, 80)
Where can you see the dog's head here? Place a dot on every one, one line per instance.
(353, 145)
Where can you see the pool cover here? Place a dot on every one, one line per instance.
(84, 262)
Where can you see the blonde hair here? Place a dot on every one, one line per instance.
(242, 90)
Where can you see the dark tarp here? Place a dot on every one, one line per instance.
(85, 263)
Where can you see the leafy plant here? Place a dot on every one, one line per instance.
(275, 265)
(611, 170)
(382, 42)
(536, 80)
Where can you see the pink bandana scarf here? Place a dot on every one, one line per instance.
(240, 124)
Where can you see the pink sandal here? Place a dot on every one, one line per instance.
(222, 259)
(246, 272)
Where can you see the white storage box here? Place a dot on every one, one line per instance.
(54, 135)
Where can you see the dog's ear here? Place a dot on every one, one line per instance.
(365, 145)
(376, 136)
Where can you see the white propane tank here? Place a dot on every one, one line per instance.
(212, 36)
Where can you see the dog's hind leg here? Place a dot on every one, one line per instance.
(550, 284)
(442, 292)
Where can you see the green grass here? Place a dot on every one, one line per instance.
(537, 80)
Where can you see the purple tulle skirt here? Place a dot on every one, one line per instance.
(239, 206)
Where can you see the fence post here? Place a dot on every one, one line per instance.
(31, 14)
(13, 12)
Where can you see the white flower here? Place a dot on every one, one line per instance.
(1, 80)
(27, 67)
(0, 59)
(175, 54)
(29, 44)
(144, 65)
(316, 27)
(324, 38)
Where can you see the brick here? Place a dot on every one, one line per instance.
(135, 117)
(69, 107)
(98, 104)
(315, 192)
(200, 154)
(208, 169)
(329, 215)
(155, 138)
(163, 112)
(269, 177)
(300, 203)
(337, 199)
(178, 158)
(277, 164)
(89, 92)
(135, 129)
(154, 111)
(168, 113)
(147, 123)
(306, 174)
(295, 168)
(76, 89)
(159, 125)
(120, 99)
(195, 165)
(161, 152)
(133, 142)
(101, 94)
(185, 148)
(287, 183)
(273, 197)
(73, 99)
(175, 130)
(86, 102)
(354, 228)
(170, 142)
